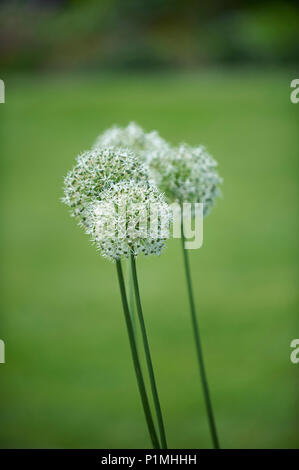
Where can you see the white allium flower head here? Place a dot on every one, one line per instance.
(133, 137)
(109, 192)
(120, 224)
(186, 174)
(96, 171)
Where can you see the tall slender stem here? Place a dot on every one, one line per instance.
(131, 300)
(148, 356)
(199, 348)
(136, 362)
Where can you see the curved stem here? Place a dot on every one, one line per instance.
(148, 355)
(199, 348)
(136, 362)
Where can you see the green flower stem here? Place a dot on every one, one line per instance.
(198, 347)
(131, 302)
(148, 355)
(136, 362)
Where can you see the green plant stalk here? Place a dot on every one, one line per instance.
(148, 355)
(136, 362)
(198, 347)
(131, 302)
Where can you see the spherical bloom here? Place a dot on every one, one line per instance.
(109, 191)
(134, 138)
(186, 174)
(131, 218)
(95, 171)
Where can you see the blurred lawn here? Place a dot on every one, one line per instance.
(68, 380)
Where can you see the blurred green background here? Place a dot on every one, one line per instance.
(68, 380)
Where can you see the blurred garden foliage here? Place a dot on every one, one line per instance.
(145, 34)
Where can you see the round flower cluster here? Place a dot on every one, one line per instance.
(95, 171)
(186, 174)
(109, 192)
(132, 218)
(134, 138)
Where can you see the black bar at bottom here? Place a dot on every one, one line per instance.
(135, 458)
